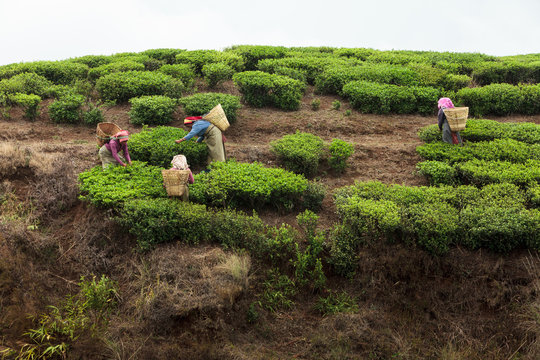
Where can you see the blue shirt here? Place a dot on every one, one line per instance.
(198, 129)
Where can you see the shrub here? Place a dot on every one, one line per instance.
(58, 72)
(336, 105)
(156, 146)
(315, 104)
(67, 109)
(371, 97)
(117, 66)
(29, 103)
(25, 83)
(336, 303)
(340, 151)
(166, 55)
(299, 152)
(217, 73)
(343, 250)
(292, 73)
(201, 103)
(454, 82)
(113, 186)
(183, 72)
(533, 194)
(152, 110)
(495, 99)
(314, 196)
(252, 54)
(93, 115)
(123, 86)
(260, 89)
(482, 172)
(253, 185)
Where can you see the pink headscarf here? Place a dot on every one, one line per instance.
(445, 103)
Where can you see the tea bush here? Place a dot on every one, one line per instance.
(217, 73)
(183, 72)
(58, 72)
(156, 146)
(67, 109)
(197, 59)
(232, 184)
(300, 152)
(454, 82)
(533, 194)
(482, 172)
(370, 97)
(495, 99)
(438, 172)
(512, 72)
(93, 115)
(92, 61)
(340, 151)
(117, 66)
(201, 103)
(111, 187)
(152, 110)
(313, 196)
(29, 102)
(122, 86)
(261, 89)
(166, 55)
(252, 54)
(25, 83)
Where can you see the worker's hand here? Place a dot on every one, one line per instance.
(178, 141)
(124, 165)
(129, 163)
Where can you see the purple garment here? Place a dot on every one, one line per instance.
(115, 146)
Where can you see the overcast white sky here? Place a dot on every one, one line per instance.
(33, 30)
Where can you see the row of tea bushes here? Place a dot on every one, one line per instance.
(487, 130)
(494, 217)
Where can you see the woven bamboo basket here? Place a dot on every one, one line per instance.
(217, 117)
(104, 132)
(457, 117)
(175, 181)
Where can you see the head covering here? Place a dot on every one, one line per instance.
(445, 103)
(191, 119)
(122, 136)
(179, 162)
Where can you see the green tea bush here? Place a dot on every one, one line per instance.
(166, 55)
(499, 149)
(93, 115)
(156, 146)
(29, 102)
(122, 86)
(183, 72)
(92, 61)
(495, 99)
(511, 72)
(67, 109)
(377, 98)
(455, 82)
(261, 89)
(232, 184)
(252, 54)
(487, 130)
(58, 72)
(201, 103)
(314, 196)
(533, 194)
(198, 58)
(300, 152)
(333, 79)
(280, 246)
(315, 104)
(217, 73)
(482, 172)
(117, 66)
(25, 83)
(152, 110)
(343, 254)
(116, 184)
(292, 73)
(530, 99)
(336, 105)
(340, 151)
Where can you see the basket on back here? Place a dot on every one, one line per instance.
(104, 132)
(175, 181)
(217, 117)
(457, 117)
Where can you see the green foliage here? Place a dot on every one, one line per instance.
(533, 194)
(438, 172)
(482, 172)
(336, 303)
(116, 184)
(377, 98)
(343, 250)
(201, 103)
(280, 247)
(261, 89)
(308, 263)
(217, 73)
(93, 115)
(25, 83)
(67, 109)
(455, 82)
(183, 72)
(315, 104)
(512, 72)
(300, 152)
(122, 86)
(156, 146)
(278, 292)
(336, 105)
(29, 103)
(166, 55)
(340, 151)
(198, 58)
(252, 54)
(152, 110)
(101, 295)
(253, 185)
(58, 72)
(117, 66)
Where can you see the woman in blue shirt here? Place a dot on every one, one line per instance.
(207, 132)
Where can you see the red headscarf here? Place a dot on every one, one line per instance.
(122, 136)
(191, 119)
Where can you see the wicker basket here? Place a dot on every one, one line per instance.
(217, 117)
(457, 117)
(175, 181)
(104, 132)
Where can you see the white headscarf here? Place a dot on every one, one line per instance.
(179, 162)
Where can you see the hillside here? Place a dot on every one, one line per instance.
(204, 301)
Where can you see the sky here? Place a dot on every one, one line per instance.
(32, 30)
